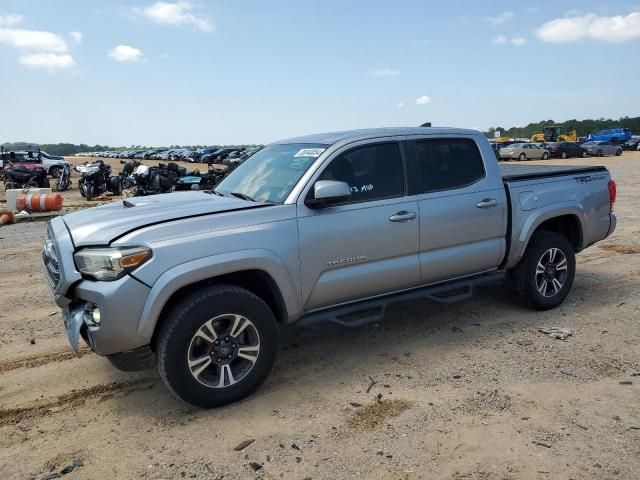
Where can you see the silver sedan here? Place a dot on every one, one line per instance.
(601, 149)
(523, 151)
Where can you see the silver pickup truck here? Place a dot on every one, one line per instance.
(323, 227)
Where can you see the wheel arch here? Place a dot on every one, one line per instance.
(266, 277)
(255, 281)
(568, 226)
(569, 221)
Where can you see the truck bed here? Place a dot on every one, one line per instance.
(517, 172)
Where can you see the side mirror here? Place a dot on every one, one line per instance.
(328, 192)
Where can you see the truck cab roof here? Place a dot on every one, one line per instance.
(348, 136)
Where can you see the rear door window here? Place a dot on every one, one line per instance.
(447, 164)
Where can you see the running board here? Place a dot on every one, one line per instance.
(370, 311)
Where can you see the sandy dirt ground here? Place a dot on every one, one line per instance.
(464, 391)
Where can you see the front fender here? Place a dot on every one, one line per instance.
(520, 241)
(213, 266)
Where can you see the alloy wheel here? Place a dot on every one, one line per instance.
(223, 350)
(551, 272)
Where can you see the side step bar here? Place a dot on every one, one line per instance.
(369, 311)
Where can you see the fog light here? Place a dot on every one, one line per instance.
(95, 316)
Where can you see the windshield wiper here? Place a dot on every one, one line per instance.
(242, 196)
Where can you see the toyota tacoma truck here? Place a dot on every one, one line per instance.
(331, 227)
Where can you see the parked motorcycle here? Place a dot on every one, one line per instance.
(96, 179)
(201, 181)
(126, 179)
(154, 180)
(63, 180)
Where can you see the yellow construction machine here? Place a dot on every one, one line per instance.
(553, 133)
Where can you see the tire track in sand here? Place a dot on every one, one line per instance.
(38, 360)
(49, 406)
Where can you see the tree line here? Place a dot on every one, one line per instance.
(583, 127)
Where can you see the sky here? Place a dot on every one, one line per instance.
(194, 72)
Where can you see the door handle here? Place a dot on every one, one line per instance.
(487, 203)
(403, 216)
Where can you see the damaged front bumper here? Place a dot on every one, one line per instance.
(120, 302)
(74, 320)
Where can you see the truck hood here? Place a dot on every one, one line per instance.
(101, 225)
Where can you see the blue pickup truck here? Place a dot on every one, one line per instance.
(613, 135)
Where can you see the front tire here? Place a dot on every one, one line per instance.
(217, 346)
(522, 157)
(564, 155)
(545, 156)
(544, 276)
(89, 191)
(584, 154)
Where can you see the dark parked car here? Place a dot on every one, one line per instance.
(631, 144)
(565, 150)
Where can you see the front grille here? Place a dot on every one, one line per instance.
(50, 263)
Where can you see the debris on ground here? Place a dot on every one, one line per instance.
(542, 444)
(255, 466)
(372, 382)
(626, 382)
(64, 471)
(524, 343)
(560, 333)
(244, 444)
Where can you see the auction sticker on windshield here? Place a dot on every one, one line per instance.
(310, 152)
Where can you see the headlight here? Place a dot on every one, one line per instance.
(110, 264)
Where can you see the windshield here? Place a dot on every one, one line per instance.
(270, 174)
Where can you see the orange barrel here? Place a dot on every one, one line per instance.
(39, 202)
(6, 218)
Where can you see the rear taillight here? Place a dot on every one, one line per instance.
(612, 194)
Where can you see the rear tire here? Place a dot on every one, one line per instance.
(564, 155)
(618, 152)
(544, 276)
(522, 157)
(195, 368)
(584, 154)
(545, 156)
